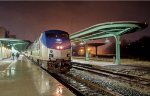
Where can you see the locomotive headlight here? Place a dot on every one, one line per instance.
(58, 47)
(61, 47)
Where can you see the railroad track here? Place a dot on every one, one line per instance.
(82, 87)
(114, 75)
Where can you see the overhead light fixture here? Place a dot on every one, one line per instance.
(107, 40)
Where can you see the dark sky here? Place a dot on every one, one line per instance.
(28, 19)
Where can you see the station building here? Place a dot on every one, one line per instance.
(4, 51)
(4, 33)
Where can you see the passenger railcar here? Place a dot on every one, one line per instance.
(52, 51)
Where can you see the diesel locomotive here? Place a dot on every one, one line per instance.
(52, 51)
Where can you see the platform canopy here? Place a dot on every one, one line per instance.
(109, 29)
(16, 43)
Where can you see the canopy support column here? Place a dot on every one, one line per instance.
(71, 53)
(96, 51)
(86, 53)
(117, 37)
(0, 50)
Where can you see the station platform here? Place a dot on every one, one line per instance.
(92, 62)
(108, 62)
(23, 78)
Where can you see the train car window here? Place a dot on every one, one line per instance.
(51, 35)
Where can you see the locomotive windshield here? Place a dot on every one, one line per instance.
(53, 35)
(63, 35)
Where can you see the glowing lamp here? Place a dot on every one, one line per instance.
(59, 47)
(89, 49)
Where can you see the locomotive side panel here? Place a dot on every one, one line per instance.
(43, 52)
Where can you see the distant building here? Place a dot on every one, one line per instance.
(4, 33)
(12, 36)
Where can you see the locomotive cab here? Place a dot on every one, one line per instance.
(59, 49)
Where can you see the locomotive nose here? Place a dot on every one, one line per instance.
(61, 54)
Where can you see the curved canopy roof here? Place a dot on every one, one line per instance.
(17, 43)
(11, 40)
(108, 29)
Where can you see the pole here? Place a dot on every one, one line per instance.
(71, 51)
(86, 53)
(96, 52)
(0, 50)
(117, 37)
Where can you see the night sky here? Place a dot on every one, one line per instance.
(28, 19)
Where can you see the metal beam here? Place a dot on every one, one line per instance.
(99, 37)
(93, 35)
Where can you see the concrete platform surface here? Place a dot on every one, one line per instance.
(22, 78)
(92, 62)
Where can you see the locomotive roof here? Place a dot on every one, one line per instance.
(56, 31)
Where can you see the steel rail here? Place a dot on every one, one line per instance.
(132, 78)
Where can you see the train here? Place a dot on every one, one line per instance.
(52, 51)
